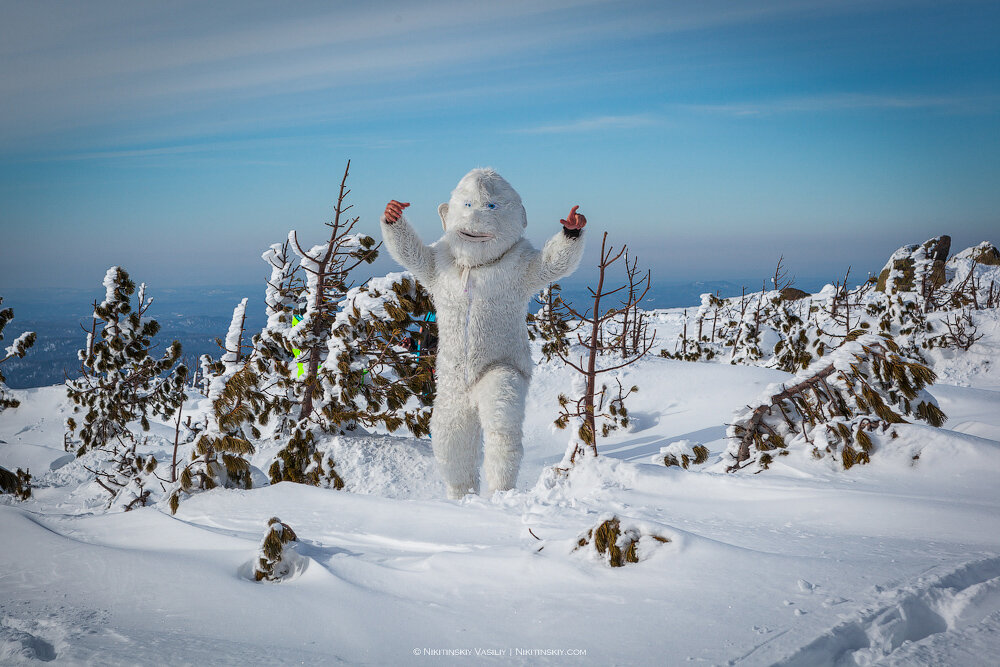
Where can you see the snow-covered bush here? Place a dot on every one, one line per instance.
(840, 406)
(271, 559)
(300, 461)
(18, 349)
(919, 299)
(552, 323)
(122, 383)
(371, 375)
(17, 483)
(683, 453)
(220, 456)
(973, 278)
(617, 543)
(332, 358)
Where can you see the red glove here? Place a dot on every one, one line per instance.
(393, 210)
(574, 220)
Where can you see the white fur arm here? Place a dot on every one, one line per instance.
(559, 258)
(406, 248)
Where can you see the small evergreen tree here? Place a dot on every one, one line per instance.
(121, 383)
(371, 373)
(18, 349)
(271, 562)
(327, 270)
(370, 376)
(17, 483)
(335, 353)
(552, 324)
(240, 405)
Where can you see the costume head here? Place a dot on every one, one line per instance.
(483, 219)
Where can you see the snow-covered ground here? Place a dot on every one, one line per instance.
(895, 562)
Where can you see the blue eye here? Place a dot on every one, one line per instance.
(468, 204)
(491, 205)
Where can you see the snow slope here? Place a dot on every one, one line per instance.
(896, 562)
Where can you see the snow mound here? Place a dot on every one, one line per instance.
(386, 466)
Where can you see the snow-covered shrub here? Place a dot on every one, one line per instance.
(798, 342)
(552, 324)
(840, 406)
(618, 544)
(371, 374)
(122, 383)
(300, 461)
(914, 301)
(973, 278)
(682, 453)
(271, 562)
(699, 346)
(960, 331)
(125, 474)
(16, 483)
(240, 405)
(17, 349)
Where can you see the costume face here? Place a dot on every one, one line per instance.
(484, 217)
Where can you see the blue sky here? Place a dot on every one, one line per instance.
(180, 139)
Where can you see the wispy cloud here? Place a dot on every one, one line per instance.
(119, 62)
(223, 149)
(595, 124)
(850, 101)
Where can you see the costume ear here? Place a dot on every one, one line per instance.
(443, 212)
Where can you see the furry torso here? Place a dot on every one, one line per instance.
(481, 316)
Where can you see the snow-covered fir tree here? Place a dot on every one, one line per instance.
(373, 374)
(18, 348)
(271, 562)
(17, 483)
(121, 383)
(239, 406)
(552, 323)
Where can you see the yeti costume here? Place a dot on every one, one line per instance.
(481, 275)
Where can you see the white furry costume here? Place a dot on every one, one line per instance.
(481, 275)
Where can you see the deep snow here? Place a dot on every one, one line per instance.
(896, 562)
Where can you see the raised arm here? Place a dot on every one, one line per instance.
(561, 254)
(404, 245)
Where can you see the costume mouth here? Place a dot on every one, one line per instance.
(476, 237)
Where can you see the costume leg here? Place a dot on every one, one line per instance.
(500, 395)
(455, 438)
